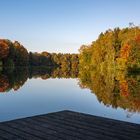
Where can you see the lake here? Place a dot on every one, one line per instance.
(32, 92)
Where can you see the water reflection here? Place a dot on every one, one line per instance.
(15, 79)
(114, 89)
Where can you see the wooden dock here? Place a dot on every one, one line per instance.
(68, 125)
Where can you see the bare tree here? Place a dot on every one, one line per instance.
(131, 24)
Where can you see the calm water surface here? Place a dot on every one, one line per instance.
(39, 96)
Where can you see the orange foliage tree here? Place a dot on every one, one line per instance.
(124, 52)
(4, 49)
(138, 38)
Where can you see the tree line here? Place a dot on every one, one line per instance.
(114, 49)
(13, 54)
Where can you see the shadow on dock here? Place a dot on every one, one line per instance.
(68, 125)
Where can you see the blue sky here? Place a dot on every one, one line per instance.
(63, 25)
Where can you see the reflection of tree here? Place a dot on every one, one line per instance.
(15, 78)
(52, 72)
(113, 89)
(4, 83)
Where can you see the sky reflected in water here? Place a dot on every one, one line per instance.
(39, 96)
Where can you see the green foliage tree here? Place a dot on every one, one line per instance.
(114, 49)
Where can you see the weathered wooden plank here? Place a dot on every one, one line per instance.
(49, 126)
(84, 131)
(47, 132)
(89, 119)
(97, 118)
(4, 135)
(32, 131)
(123, 134)
(65, 130)
(17, 133)
(94, 124)
(68, 125)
